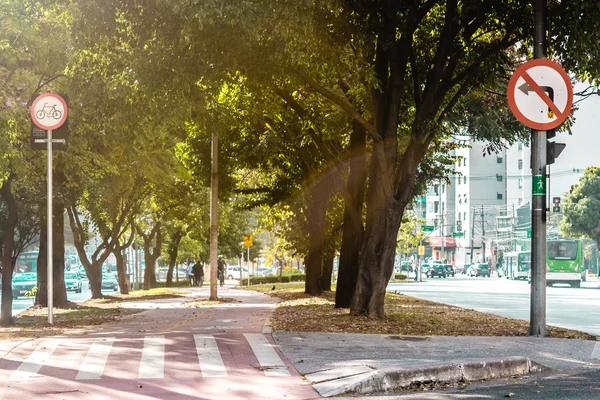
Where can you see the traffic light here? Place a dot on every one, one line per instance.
(556, 206)
(553, 150)
(459, 226)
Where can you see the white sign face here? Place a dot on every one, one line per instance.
(49, 111)
(540, 94)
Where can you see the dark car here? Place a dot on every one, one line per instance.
(479, 270)
(23, 283)
(438, 270)
(449, 269)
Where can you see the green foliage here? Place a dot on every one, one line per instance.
(257, 280)
(581, 207)
(400, 277)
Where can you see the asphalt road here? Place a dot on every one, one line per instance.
(566, 307)
(22, 303)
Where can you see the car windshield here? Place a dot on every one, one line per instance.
(106, 277)
(562, 250)
(71, 276)
(484, 266)
(24, 277)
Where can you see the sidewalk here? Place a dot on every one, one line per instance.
(338, 363)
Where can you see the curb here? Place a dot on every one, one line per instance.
(394, 378)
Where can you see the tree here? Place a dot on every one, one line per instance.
(581, 207)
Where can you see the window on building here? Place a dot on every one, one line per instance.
(499, 178)
(436, 207)
(499, 160)
(443, 189)
(465, 180)
(465, 161)
(465, 215)
(459, 201)
(520, 183)
(459, 179)
(520, 164)
(520, 200)
(498, 196)
(520, 146)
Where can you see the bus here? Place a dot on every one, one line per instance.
(517, 264)
(564, 262)
(27, 262)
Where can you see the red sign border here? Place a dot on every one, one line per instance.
(511, 93)
(59, 123)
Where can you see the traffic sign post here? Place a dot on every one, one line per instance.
(49, 111)
(427, 228)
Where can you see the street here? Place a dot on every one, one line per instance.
(566, 307)
(22, 303)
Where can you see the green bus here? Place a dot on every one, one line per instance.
(27, 262)
(517, 264)
(564, 262)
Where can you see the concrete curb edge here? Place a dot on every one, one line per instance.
(393, 378)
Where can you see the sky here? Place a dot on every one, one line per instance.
(583, 147)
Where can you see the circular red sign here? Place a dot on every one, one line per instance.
(49, 111)
(521, 72)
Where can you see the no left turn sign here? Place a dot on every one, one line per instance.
(540, 94)
(49, 111)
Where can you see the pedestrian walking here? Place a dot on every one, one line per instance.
(416, 273)
(221, 266)
(190, 273)
(198, 270)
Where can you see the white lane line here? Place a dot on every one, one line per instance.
(152, 364)
(32, 364)
(95, 359)
(209, 357)
(266, 355)
(596, 351)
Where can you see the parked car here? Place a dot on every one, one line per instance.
(73, 282)
(233, 272)
(438, 270)
(23, 283)
(449, 269)
(109, 282)
(479, 269)
(405, 266)
(81, 272)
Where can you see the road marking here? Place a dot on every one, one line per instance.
(596, 352)
(31, 366)
(152, 364)
(209, 357)
(266, 355)
(95, 359)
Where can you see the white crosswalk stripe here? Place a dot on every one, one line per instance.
(32, 364)
(209, 357)
(95, 359)
(95, 356)
(152, 364)
(266, 355)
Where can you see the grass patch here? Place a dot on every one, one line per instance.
(405, 315)
(33, 322)
(143, 295)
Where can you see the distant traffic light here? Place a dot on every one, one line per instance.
(556, 206)
(459, 226)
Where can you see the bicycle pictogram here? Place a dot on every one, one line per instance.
(48, 111)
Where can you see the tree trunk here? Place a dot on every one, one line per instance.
(316, 217)
(173, 250)
(352, 229)
(385, 207)
(59, 291)
(328, 258)
(122, 272)
(6, 317)
(95, 277)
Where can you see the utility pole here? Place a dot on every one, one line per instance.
(214, 214)
(483, 233)
(472, 233)
(537, 324)
(442, 223)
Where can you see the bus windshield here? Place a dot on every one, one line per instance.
(562, 250)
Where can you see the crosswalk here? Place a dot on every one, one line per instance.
(144, 357)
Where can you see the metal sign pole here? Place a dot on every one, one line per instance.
(49, 280)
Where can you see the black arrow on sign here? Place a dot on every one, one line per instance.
(525, 88)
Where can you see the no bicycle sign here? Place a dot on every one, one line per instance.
(540, 94)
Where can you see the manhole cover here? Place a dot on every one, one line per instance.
(409, 338)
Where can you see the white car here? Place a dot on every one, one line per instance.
(233, 272)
